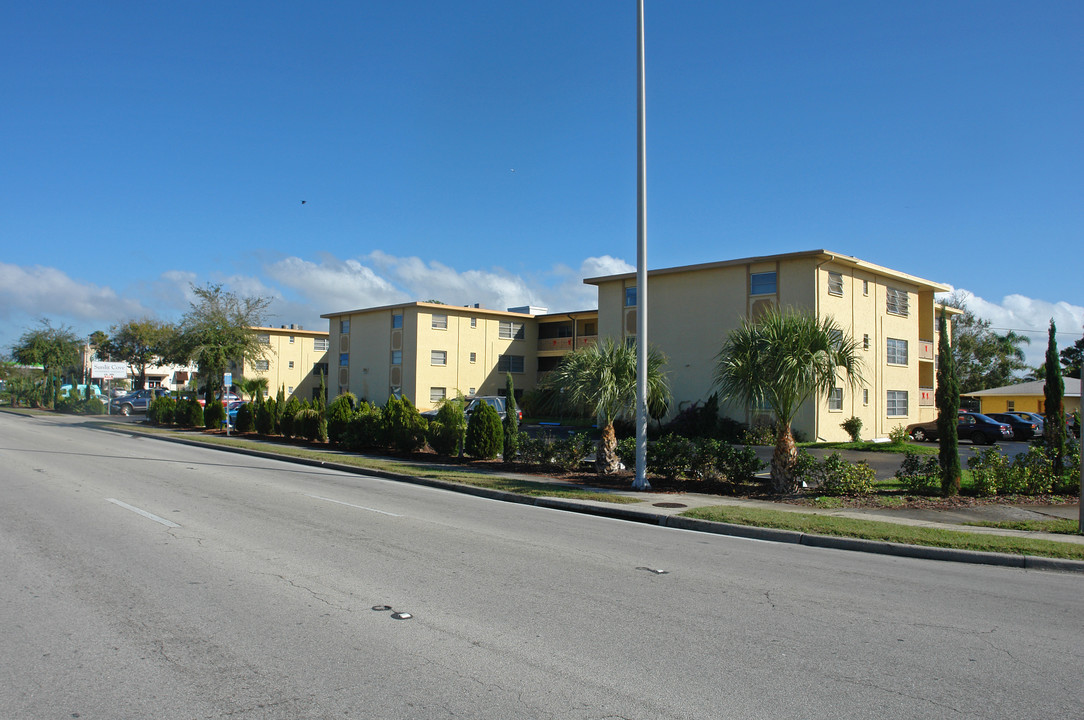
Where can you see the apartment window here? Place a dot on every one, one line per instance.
(263, 339)
(896, 403)
(291, 339)
(437, 394)
(438, 357)
(835, 399)
(396, 357)
(440, 322)
(1010, 405)
(344, 359)
(509, 330)
(319, 369)
(396, 321)
(472, 391)
(897, 301)
(321, 344)
(865, 287)
(630, 297)
(474, 357)
(510, 363)
(474, 322)
(865, 396)
(865, 341)
(589, 329)
(262, 364)
(762, 283)
(290, 390)
(291, 364)
(835, 283)
(897, 352)
(344, 327)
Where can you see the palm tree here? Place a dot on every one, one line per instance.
(601, 379)
(781, 360)
(253, 386)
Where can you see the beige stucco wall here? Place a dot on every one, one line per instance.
(281, 352)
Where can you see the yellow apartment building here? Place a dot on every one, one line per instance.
(293, 361)
(1026, 397)
(429, 351)
(693, 308)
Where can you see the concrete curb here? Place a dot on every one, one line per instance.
(619, 512)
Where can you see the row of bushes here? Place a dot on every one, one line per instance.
(676, 457)
(993, 473)
(81, 406)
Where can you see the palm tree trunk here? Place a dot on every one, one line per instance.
(784, 463)
(606, 461)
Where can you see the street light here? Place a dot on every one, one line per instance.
(641, 483)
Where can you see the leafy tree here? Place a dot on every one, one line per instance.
(601, 379)
(948, 408)
(783, 359)
(984, 359)
(216, 331)
(1054, 391)
(339, 414)
(511, 420)
(1072, 359)
(140, 343)
(97, 338)
(404, 427)
(448, 429)
(485, 438)
(56, 349)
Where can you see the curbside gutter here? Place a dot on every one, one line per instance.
(620, 512)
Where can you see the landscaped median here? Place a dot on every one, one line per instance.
(787, 526)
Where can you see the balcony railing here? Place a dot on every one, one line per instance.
(925, 397)
(925, 349)
(565, 344)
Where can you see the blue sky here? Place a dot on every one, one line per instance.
(485, 151)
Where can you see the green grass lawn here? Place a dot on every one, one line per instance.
(881, 447)
(884, 531)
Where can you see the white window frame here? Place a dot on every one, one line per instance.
(261, 365)
(321, 344)
(438, 358)
(291, 365)
(510, 330)
(894, 349)
(473, 358)
(835, 400)
(440, 321)
(835, 283)
(896, 301)
(630, 296)
(437, 394)
(893, 405)
(509, 363)
(263, 339)
(753, 282)
(344, 327)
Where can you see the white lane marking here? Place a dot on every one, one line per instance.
(144, 513)
(359, 507)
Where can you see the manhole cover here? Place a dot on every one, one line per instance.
(670, 505)
(381, 608)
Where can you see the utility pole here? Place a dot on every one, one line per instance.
(641, 482)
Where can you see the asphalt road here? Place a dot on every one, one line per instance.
(144, 579)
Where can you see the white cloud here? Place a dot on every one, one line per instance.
(40, 291)
(333, 285)
(1031, 318)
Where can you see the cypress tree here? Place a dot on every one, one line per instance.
(1054, 411)
(511, 421)
(948, 409)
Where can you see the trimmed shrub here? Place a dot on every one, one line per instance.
(339, 414)
(289, 412)
(161, 411)
(989, 469)
(311, 424)
(898, 435)
(188, 413)
(214, 415)
(853, 426)
(839, 477)
(569, 453)
(448, 429)
(921, 475)
(404, 427)
(264, 420)
(535, 450)
(511, 423)
(485, 437)
(366, 428)
(272, 416)
(759, 435)
(246, 419)
(626, 451)
(738, 464)
(94, 406)
(671, 457)
(1069, 482)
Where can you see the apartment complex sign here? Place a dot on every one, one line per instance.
(108, 370)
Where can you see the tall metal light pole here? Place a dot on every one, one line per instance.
(641, 482)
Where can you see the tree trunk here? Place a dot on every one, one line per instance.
(606, 461)
(784, 463)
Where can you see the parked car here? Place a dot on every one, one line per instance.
(135, 402)
(1033, 417)
(976, 427)
(1021, 429)
(495, 401)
